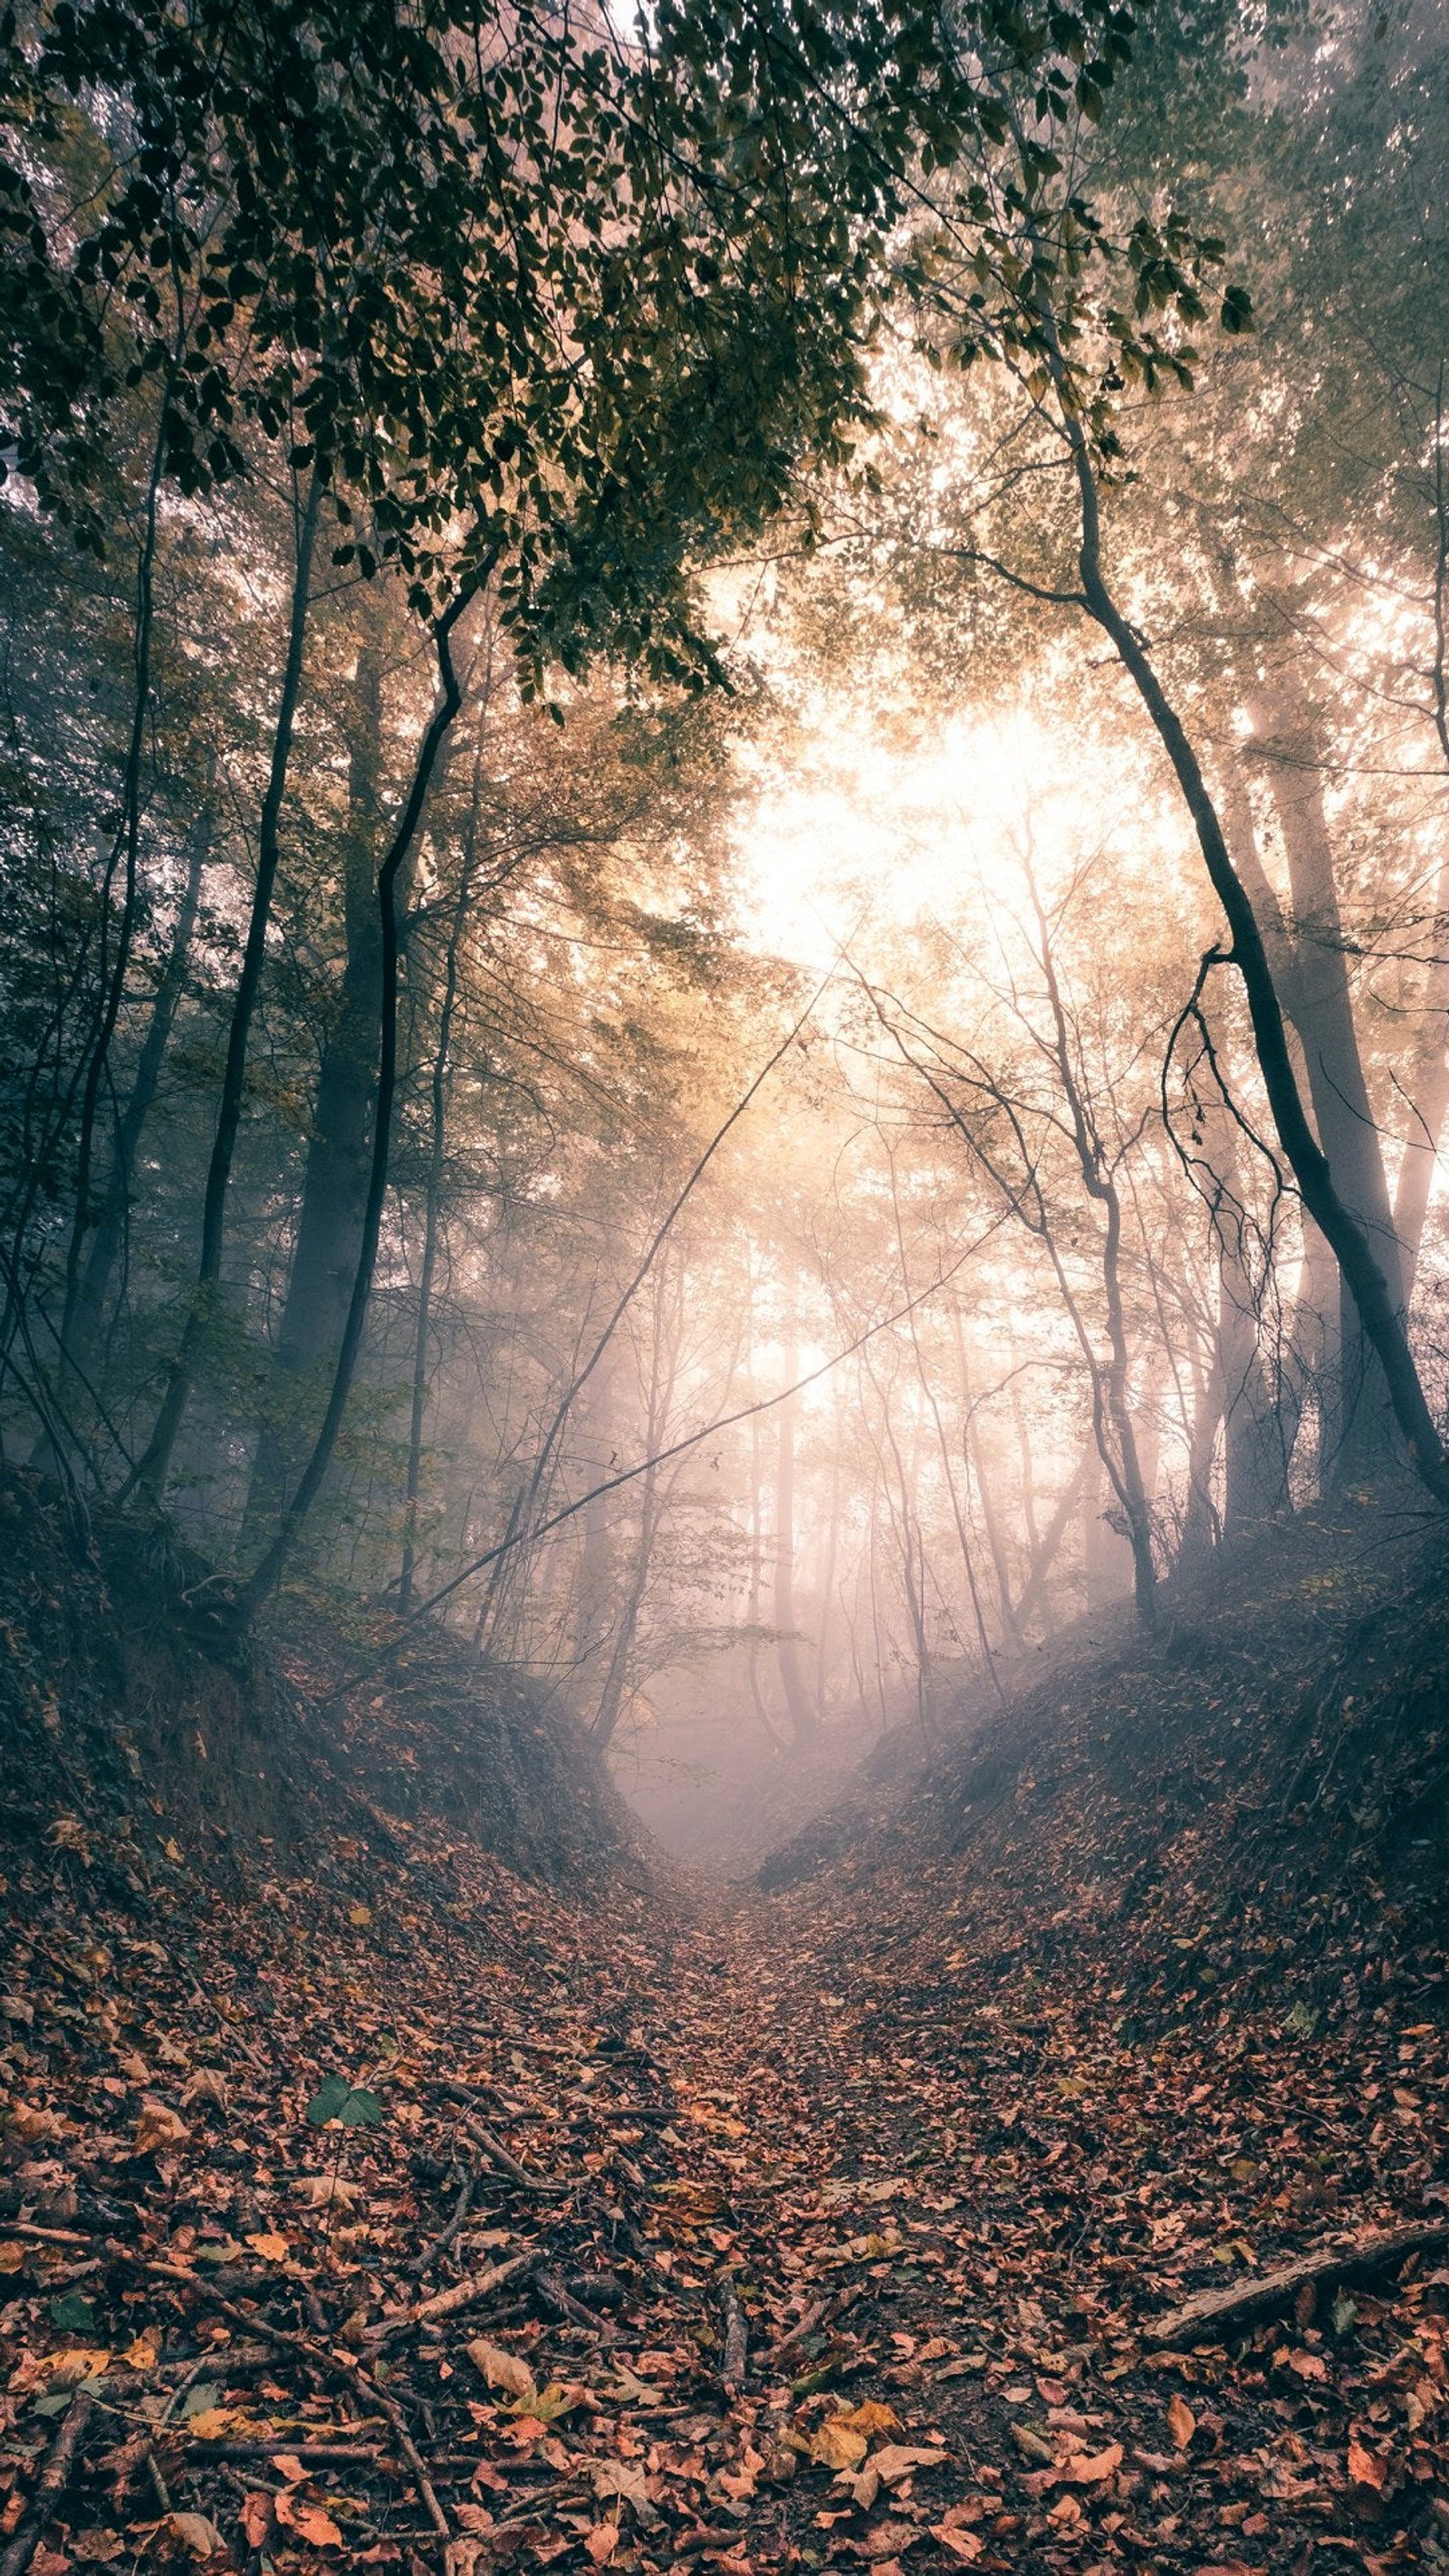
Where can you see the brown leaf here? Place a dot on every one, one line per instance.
(159, 2127)
(256, 2520)
(194, 2532)
(1090, 2469)
(965, 2545)
(602, 2542)
(502, 2369)
(1365, 2467)
(895, 2461)
(837, 2445)
(1181, 2421)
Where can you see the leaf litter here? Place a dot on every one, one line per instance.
(474, 2227)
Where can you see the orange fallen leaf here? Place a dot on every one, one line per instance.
(965, 2545)
(1365, 2467)
(1181, 2421)
(1091, 2469)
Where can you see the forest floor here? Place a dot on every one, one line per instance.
(388, 2208)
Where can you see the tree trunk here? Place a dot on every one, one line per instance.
(1376, 1298)
(109, 1237)
(1318, 998)
(787, 1644)
(432, 1209)
(151, 1469)
(1427, 1090)
(334, 1189)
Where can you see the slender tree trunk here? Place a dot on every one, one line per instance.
(334, 1188)
(1427, 1091)
(1045, 1554)
(995, 1540)
(1377, 1302)
(827, 1586)
(432, 1215)
(125, 853)
(1318, 999)
(110, 1233)
(151, 1469)
(787, 1646)
(1110, 1387)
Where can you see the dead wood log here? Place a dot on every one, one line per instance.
(1210, 2312)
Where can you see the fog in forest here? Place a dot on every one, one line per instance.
(743, 983)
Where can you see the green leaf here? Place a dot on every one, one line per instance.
(73, 2312)
(1344, 2312)
(200, 2399)
(336, 2099)
(326, 2103)
(361, 2110)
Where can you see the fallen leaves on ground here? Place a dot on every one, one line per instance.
(951, 2140)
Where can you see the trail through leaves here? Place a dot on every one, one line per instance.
(408, 2235)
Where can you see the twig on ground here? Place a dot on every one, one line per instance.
(445, 2303)
(736, 2344)
(423, 2263)
(50, 2485)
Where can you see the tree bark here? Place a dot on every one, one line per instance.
(787, 1643)
(334, 1189)
(398, 853)
(109, 1237)
(151, 1469)
(1318, 998)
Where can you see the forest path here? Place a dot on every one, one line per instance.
(947, 2185)
(961, 2189)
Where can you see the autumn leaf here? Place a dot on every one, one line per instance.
(602, 2542)
(195, 2533)
(256, 2520)
(1181, 2421)
(895, 2461)
(965, 2545)
(271, 2247)
(837, 2445)
(158, 2128)
(309, 2521)
(502, 2369)
(1365, 2467)
(1091, 2469)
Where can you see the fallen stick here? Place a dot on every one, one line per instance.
(498, 2156)
(736, 2346)
(445, 2303)
(313, 2455)
(556, 2295)
(41, 2235)
(423, 2263)
(813, 2317)
(50, 2485)
(1210, 2311)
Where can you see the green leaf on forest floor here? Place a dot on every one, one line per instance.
(74, 2312)
(338, 2099)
